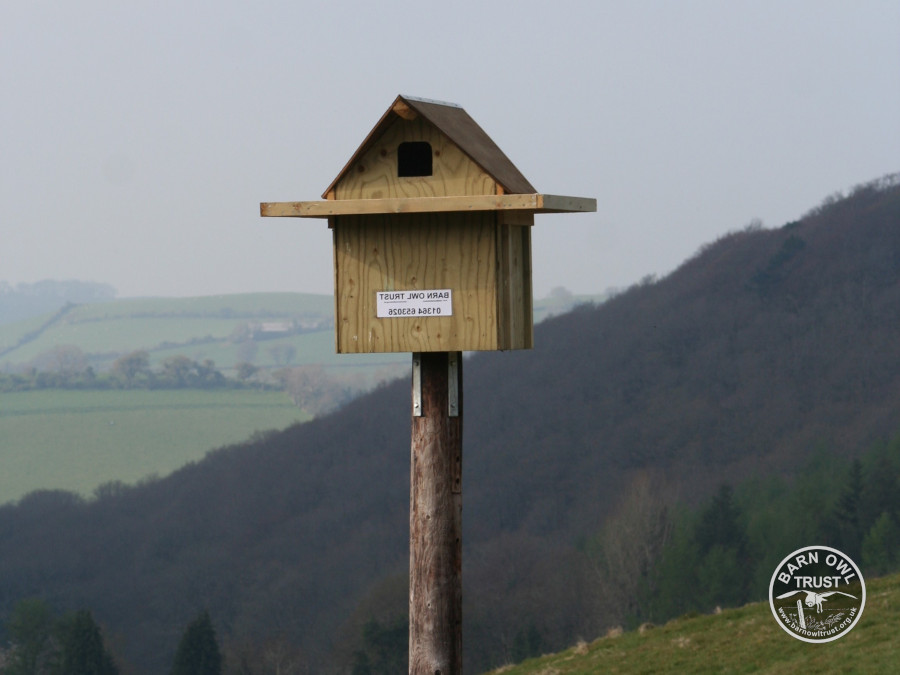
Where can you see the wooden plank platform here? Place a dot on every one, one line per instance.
(534, 203)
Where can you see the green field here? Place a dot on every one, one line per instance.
(76, 440)
(123, 335)
(744, 640)
(205, 328)
(224, 306)
(200, 328)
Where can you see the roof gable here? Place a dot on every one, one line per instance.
(455, 123)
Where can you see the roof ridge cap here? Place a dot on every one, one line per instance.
(420, 99)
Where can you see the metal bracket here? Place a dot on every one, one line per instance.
(453, 383)
(417, 385)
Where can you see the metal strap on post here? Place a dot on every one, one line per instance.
(417, 385)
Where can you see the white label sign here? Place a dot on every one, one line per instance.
(395, 304)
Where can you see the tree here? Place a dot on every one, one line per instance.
(528, 643)
(311, 389)
(177, 370)
(881, 546)
(30, 630)
(66, 360)
(720, 524)
(131, 366)
(207, 375)
(881, 492)
(674, 572)
(245, 370)
(723, 579)
(846, 513)
(181, 371)
(82, 648)
(40, 644)
(629, 546)
(707, 554)
(386, 648)
(282, 353)
(275, 655)
(198, 651)
(725, 570)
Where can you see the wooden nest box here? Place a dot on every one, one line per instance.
(432, 236)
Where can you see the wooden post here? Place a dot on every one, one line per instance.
(435, 516)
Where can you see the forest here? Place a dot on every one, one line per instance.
(654, 455)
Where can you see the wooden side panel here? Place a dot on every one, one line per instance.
(416, 252)
(514, 307)
(526, 298)
(374, 174)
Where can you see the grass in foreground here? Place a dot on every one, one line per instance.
(77, 440)
(744, 640)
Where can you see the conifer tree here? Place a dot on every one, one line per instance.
(849, 533)
(385, 649)
(720, 524)
(881, 546)
(725, 569)
(81, 646)
(198, 651)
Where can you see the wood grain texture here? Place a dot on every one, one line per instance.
(435, 526)
(373, 175)
(514, 297)
(525, 204)
(421, 252)
(465, 132)
(456, 125)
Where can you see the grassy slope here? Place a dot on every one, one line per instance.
(104, 329)
(198, 328)
(76, 440)
(11, 333)
(124, 335)
(744, 640)
(260, 304)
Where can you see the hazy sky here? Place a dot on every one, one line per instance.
(138, 138)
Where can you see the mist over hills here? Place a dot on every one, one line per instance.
(43, 297)
(763, 346)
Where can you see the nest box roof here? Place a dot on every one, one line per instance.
(455, 123)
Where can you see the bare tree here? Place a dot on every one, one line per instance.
(312, 389)
(282, 353)
(630, 543)
(62, 359)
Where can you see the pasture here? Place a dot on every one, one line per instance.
(77, 440)
(742, 640)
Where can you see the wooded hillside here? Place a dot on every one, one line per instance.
(764, 346)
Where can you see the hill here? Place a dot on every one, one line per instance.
(75, 429)
(24, 301)
(268, 330)
(745, 640)
(765, 346)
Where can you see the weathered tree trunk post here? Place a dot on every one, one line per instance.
(435, 516)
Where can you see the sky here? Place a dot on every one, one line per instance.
(138, 138)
